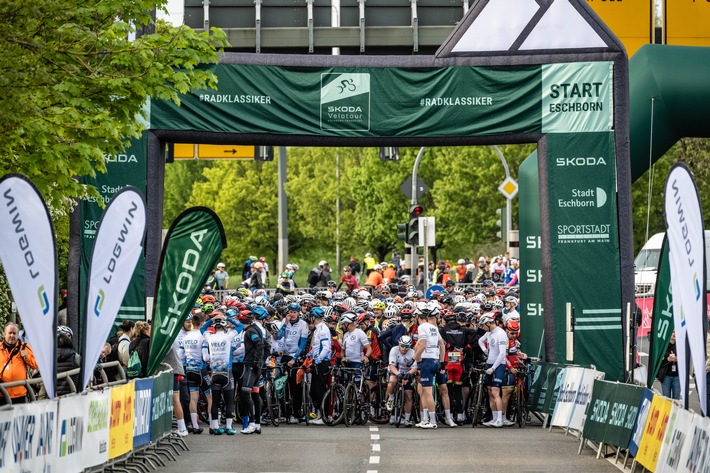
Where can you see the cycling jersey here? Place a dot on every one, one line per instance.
(220, 345)
(253, 345)
(429, 335)
(353, 344)
(512, 354)
(193, 352)
(295, 336)
(237, 346)
(320, 343)
(510, 315)
(497, 343)
(403, 363)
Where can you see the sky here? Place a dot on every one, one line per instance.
(176, 9)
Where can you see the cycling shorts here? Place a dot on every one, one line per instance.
(441, 378)
(199, 380)
(427, 371)
(508, 379)
(371, 372)
(223, 380)
(177, 378)
(494, 380)
(454, 371)
(250, 377)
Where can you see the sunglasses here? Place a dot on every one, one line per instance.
(512, 332)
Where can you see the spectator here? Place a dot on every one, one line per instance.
(106, 355)
(211, 282)
(450, 285)
(246, 269)
(141, 344)
(482, 272)
(668, 372)
(124, 342)
(221, 277)
(374, 279)
(355, 268)
(15, 358)
(370, 263)
(285, 285)
(324, 274)
(396, 260)
(67, 360)
(468, 276)
(510, 271)
(497, 269)
(389, 273)
(460, 270)
(349, 279)
(262, 260)
(258, 277)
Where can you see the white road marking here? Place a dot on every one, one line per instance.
(371, 471)
(375, 437)
(374, 459)
(375, 447)
(374, 429)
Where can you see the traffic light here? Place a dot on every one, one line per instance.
(502, 233)
(389, 153)
(402, 231)
(415, 211)
(263, 153)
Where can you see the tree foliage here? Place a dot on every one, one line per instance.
(74, 85)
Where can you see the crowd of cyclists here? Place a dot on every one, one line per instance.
(382, 353)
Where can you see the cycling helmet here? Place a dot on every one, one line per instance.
(331, 284)
(317, 312)
(513, 326)
(261, 300)
(219, 322)
(488, 283)
(469, 290)
(208, 307)
(459, 299)
(308, 304)
(480, 297)
(208, 299)
(291, 298)
(405, 341)
(358, 310)
(485, 318)
(324, 295)
(406, 313)
(232, 313)
(347, 318)
(198, 303)
(281, 306)
(390, 323)
(411, 295)
(350, 302)
(270, 310)
(259, 312)
(331, 319)
(391, 311)
(377, 304)
(363, 304)
(364, 295)
(364, 317)
(489, 293)
(447, 300)
(486, 306)
(448, 314)
(511, 299)
(340, 296)
(327, 311)
(498, 305)
(246, 315)
(341, 308)
(462, 317)
(243, 291)
(500, 292)
(293, 306)
(230, 301)
(63, 329)
(277, 297)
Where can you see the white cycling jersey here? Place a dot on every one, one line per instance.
(353, 345)
(320, 343)
(220, 347)
(237, 346)
(292, 335)
(403, 363)
(497, 346)
(429, 335)
(510, 315)
(194, 353)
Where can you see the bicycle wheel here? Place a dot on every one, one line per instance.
(333, 405)
(399, 405)
(521, 405)
(306, 401)
(202, 412)
(272, 403)
(477, 414)
(364, 405)
(350, 404)
(378, 412)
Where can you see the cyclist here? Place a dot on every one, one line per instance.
(428, 354)
(320, 353)
(356, 346)
(254, 348)
(456, 339)
(378, 308)
(497, 342)
(194, 354)
(510, 312)
(365, 323)
(513, 361)
(389, 338)
(220, 348)
(401, 363)
(294, 333)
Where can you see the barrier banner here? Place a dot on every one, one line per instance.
(122, 416)
(654, 431)
(640, 423)
(662, 319)
(143, 417)
(71, 427)
(686, 255)
(584, 396)
(554, 378)
(117, 249)
(694, 456)
(539, 376)
(28, 438)
(567, 395)
(28, 251)
(162, 405)
(679, 424)
(192, 247)
(96, 438)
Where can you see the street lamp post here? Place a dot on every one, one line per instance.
(508, 200)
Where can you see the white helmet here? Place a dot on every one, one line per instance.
(485, 318)
(364, 295)
(347, 318)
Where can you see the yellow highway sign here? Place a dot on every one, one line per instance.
(200, 151)
(687, 22)
(630, 20)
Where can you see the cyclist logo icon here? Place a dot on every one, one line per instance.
(348, 84)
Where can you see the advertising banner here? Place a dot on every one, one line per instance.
(531, 311)
(599, 410)
(675, 440)
(686, 251)
(117, 248)
(122, 417)
(28, 251)
(538, 378)
(662, 324)
(694, 456)
(28, 438)
(393, 101)
(142, 408)
(554, 380)
(583, 397)
(583, 232)
(567, 395)
(645, 305)
(192, 247)
(124, 169)
(162, 405)
(654, 431)
(96, 438)
(640, 422)
(72, 426)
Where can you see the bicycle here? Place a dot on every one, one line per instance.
(477, 400)
(333, 405)
(273, 406)
(519, 408)
(399, 399)
(378, 412)
(357, 397)
(303, 378)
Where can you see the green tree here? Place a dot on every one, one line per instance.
(180, 178)
(74, 85)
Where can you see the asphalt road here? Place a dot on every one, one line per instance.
(369, 449)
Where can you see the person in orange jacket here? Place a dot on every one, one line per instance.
(15, 358)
